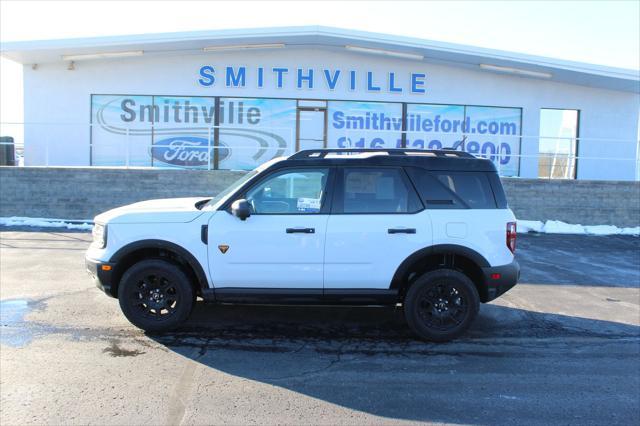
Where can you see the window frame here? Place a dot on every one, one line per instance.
(325, 202)
(337, 205)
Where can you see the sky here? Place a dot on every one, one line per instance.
(598, 32)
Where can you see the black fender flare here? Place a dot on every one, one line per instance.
(477, 258)
(169, 246)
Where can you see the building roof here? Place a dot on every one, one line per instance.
(527, 66)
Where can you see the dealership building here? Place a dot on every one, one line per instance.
(234, 99)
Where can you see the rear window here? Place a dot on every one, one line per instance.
(453, 190)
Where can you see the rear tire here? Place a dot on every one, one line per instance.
(156, 295)
(441, 305)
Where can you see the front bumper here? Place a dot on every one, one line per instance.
(100, 275)
(500, 279)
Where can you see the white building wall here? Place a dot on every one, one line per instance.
(54, 94)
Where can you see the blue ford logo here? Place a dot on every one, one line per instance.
(187, 151)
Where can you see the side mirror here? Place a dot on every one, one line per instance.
(241, 209)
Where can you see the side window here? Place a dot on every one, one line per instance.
(299, 191)
(453, 190)
(377, 191)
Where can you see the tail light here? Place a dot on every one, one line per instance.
(511, 236)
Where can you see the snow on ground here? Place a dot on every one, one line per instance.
(559, 227)
(40, 222)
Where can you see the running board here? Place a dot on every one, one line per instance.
(297, 296)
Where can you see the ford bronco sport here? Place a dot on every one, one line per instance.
(429, 230)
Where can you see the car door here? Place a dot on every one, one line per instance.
(281, 245)
(377, 221)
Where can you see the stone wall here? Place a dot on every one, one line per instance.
(587, 202)
(82, 193)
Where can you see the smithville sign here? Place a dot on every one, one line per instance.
(311, 78)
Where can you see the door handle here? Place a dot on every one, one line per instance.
(401, 230)
(301, 231)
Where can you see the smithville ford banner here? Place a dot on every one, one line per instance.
(163, 131)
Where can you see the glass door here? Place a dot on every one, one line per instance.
(312, 124)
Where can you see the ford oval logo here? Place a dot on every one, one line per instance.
(187, 151)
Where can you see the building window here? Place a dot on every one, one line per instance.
(200, 132)
(183, 134)
(558, 143)
(364, 125)
(193, 132)
(121, 130)
(489, 132)
(255, 130)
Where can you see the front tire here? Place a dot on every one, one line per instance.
(156, 295)
(441, 305)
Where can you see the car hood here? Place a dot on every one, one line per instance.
(167, 210)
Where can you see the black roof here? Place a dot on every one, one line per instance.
(443, 159)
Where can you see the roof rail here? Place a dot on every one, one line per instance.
(322, 153)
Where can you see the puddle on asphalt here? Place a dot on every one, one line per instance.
(14, 329)
(17, 332)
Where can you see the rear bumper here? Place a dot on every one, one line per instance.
(101, 276)
(500, 279)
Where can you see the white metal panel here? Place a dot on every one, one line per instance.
(262, 254)
(185, 235)
(313, 103)
(192, 43)
(166, 210)
(484, 231)
(361, 253)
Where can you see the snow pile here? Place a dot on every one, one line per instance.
(46, 223)
(530, 226)
(559, 227)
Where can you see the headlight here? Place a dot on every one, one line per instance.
(99, 233)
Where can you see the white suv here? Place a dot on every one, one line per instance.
(430, 230)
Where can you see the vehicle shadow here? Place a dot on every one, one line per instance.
(366, 359)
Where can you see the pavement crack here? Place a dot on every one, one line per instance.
(181, 393)
(338, 359)
(304, 345)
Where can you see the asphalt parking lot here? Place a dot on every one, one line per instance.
(562, 347)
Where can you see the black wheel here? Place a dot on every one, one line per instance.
(441, 305)
(156, 295)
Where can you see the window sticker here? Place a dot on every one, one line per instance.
(309, 205)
